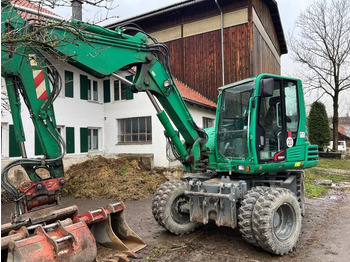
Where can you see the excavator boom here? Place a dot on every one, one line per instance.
(27, 46)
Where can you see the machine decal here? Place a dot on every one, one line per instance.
(290, 141)
(39, 82)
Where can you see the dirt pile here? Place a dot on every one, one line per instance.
(118, 179)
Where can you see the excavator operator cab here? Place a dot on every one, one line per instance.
(233, 121)
(278, 119)
(265, 109)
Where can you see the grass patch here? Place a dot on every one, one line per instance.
(334, 163)
(312, 190)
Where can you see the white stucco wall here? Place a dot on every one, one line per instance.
(77, 113)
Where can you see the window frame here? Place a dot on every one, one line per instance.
(126, 137)
(90, 138)
(122, 91)
(207, 120)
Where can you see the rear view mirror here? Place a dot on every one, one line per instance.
(266, 87)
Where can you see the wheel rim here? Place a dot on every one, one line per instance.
(178, 210)
(284, 222)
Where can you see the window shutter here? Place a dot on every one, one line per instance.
(129, 94)
(68, 83)
(37, 147)
(106, 91)
(70, 140)
(14, 149)
(83, 87)
(83, 139)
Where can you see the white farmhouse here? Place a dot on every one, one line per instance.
(104, 117)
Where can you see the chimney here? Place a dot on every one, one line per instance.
(77, 12)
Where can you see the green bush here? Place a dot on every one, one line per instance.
(319, 131)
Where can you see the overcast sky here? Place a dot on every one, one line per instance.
(289, 11)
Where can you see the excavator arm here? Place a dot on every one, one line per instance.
(26, 51)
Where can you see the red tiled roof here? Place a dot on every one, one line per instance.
(343, 129)
(193, 96)
(26, 4)
(189, 94)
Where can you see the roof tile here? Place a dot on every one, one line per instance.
(192, 95)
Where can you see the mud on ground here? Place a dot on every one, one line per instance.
(325, 232)
(325, 235)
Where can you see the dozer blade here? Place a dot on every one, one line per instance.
(31, 238)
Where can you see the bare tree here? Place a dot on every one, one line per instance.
(323, 48)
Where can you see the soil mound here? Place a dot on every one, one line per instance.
(119, 179)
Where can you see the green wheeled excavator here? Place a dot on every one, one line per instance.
(246, 171)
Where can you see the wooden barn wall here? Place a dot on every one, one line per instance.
(189, 14)
(264, 61)
(237, 54)
(265, 17)
(196, 60)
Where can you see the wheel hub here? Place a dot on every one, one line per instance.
(283, 221)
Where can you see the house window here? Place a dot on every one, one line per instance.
(92, 87)
(88, 89)
(135, 130)
(208, 122)
(68, 84)
(92, 139)
(122, 91)
(94, 90)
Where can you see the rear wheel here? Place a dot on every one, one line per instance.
(170, 208)
(277, 221)
(245, 213)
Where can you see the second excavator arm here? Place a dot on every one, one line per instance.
(101, 52)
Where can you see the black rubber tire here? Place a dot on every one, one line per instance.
(165, 208)
(245, 213)
(277, 221)
(165, 188)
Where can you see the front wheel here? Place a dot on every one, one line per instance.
(170, 207)
(277, 221)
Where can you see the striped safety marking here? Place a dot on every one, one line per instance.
(39, 82)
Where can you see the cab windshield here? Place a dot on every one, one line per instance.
(233, 121)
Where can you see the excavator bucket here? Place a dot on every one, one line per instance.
(114, 232)
(63, 235)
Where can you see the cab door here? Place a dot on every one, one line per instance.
(277, 122)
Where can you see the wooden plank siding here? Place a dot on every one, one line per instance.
(264, 60)
(266, 19)
(251, 44)
(196, 60)
(237, 54)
